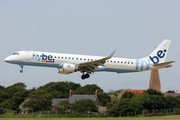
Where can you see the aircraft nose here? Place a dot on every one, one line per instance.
(7, 59)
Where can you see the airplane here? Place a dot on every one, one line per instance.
(86, 64)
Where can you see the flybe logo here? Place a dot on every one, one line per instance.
(43, 58)
(160, 54)
(143, 64)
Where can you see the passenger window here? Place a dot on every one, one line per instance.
(125, 62)
(114, 61)
(54, 56)
(73, 58)
(84, 59)
(58, 57)
(117, 61)
(69, 58)
(62, 57)
(76, 58)
(80, 58)
(121, 61)
(65, 57)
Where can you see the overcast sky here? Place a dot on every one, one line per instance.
(131, 27)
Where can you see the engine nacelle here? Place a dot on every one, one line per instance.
(67, 69)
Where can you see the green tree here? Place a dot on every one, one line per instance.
(114, 93)
(11, 90)
(104, 98)
(39, 100)
(146, 101)
(109, 105)
(3, 96)
(5, 105)
(153, 99)
(84, 105)
(59, 89)
(136, 103)
(153, 92)
(74, 86)
(124, 105)
(178, 96)
(127, 95)
(1, 87)
(13, 96)
(19, 97)
(63, 105)
(87, 90)
(170, 91)
(172, 102)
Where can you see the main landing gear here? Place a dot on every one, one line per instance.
(85, 76)
(21, 68)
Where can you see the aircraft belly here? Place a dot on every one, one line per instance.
(118, 68)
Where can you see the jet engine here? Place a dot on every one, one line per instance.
(67, 69)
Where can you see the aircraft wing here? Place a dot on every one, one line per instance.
(90, 66)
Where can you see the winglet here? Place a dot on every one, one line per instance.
(111, 54)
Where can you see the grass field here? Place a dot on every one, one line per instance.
(107, 118)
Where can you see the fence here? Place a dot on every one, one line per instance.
(57, 114)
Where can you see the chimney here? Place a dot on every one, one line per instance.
(70, 93)
(176, 91)
(96, 93)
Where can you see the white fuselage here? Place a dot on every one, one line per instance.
(69, 63)
(49, 59)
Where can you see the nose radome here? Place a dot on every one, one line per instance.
(7, 59)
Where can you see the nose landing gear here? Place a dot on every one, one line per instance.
(21, 71)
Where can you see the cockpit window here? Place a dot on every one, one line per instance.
(15, 54)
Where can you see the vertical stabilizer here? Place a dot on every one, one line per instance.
(160, 53)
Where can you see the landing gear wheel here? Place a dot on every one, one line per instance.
(21, 68)
(21, 71)
(87, 75)
(83, 77)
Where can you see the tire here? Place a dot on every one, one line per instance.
(87, 75)
(83, 77)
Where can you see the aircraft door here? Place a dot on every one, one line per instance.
(27, 56)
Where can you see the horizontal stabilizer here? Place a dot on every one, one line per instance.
(164, 63)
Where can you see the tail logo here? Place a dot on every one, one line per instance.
(160, 54)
